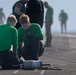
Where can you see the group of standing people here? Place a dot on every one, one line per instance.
(33, 8)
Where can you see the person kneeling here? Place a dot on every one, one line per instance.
(31, 35)
(8, 38)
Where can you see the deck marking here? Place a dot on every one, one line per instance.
(42, 72)
(16, 71)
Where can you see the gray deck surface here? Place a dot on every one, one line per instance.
(62, 54)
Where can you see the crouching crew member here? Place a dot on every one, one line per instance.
(8, 38)
(30, 34)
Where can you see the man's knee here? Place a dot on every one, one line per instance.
(41, 49)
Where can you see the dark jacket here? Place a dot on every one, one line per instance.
(35, 11)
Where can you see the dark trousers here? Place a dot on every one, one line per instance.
(8, 59)
(48, 33)
(63, 27)
(31, 52)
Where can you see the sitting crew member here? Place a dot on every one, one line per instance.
(8, 38)
(30, 34)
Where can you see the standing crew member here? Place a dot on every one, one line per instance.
(35, 11)
(18, 9)
(48, 24)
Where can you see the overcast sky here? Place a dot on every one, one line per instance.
(68, 5)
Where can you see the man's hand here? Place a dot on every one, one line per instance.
(19, 56)
(28, 36)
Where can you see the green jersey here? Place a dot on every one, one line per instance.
(34, 30)
(49, 14)
(8, 37)
(63, 17)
